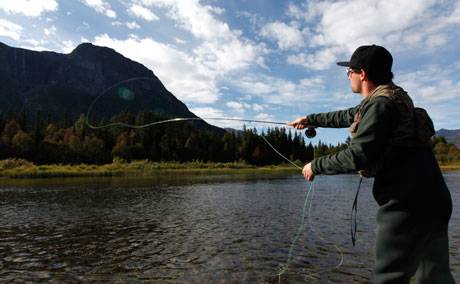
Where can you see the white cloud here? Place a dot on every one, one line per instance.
(207, 112)
(435, 88)
(31, 8)
(265, 117)
(179, 41)
(10, 29)
(236, 106)
(210, 112)
(278, 91)
(194, 17)
(398, 25)
(318, 60)
(132, 25)
(67, 46)
(85, 26)
(258, 107)
(224, 57)
(186, 78)
(431, 85)
(285, 35)
(50, 31)
(222, 49)
(142, 12)
(102, 7)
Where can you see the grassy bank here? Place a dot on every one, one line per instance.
(16, 168)
(454, 166)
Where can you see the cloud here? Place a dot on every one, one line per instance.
(435, 88)
(50, 31)
(258, 107)
(186, 78)
(220, 48)
(210, 112)
(431, 85)
(132, 25)
(400, 26)
(179, 41)
(30, 8)
(286, 36)
(264, 117)
(101, 7)
(278, 91)
(10, 29)
(68, 45)
(207, 112)
(316, 60)
(142, 13)
(236, 106)
(194, 17)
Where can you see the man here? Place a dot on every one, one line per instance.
(391, 141)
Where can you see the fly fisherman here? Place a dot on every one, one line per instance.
(391, 142)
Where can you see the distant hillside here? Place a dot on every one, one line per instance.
(64, 85)
(452, 136)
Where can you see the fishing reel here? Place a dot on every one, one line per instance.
(310, 132)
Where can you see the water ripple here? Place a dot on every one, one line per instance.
(208, 230)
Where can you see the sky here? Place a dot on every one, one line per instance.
(259, 59)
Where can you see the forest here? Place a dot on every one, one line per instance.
(41, 140)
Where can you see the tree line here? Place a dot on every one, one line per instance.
(44, 141)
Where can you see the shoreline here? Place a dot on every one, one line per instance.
(20, 169)
(136, 168)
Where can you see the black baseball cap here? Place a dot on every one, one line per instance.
(371, 58)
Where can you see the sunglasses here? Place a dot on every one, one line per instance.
(350, 71)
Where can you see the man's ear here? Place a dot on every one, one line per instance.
(363, 75)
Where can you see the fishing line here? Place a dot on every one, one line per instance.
(282, 156)
(126, 94)
(180, 119)
(285, 267)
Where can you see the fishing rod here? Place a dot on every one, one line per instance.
(309, 132)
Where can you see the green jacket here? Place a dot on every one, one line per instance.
(407, 172)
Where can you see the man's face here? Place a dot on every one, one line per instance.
(355, 79)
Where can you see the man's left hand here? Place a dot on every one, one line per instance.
(308, 172)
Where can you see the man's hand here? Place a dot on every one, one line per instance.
(308, 173)
(299, 123)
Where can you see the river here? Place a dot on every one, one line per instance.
(177, 228)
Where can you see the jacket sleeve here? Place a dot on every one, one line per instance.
(335, 119)
(377, 121)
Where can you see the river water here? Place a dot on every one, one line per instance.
(177, 228)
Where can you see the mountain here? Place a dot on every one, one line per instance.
(66, 85)
(452, 136)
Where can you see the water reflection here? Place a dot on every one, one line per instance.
(188, 229)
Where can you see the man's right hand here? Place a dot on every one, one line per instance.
(299, 123)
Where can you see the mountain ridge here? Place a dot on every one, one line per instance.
(59, 83)
(451, 135)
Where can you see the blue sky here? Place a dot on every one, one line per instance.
(259, 59)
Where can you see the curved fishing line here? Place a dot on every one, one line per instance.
(281, 155)
(307, 203)
(337, 248)
(285, 267)
(90, 108)
(180, 119)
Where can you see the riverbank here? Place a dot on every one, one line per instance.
(450, 167)
(16, 168)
